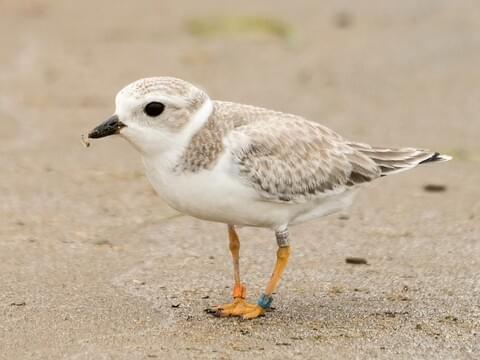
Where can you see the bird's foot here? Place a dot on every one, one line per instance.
(239, 307)
(253, 312)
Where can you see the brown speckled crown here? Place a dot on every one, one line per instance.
(169, 86)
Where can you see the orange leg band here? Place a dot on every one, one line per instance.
(239, 291)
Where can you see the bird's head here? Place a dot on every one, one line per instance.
(155, 113)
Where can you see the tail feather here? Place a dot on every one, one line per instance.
(392, 161)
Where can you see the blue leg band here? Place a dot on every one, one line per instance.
(265, 301)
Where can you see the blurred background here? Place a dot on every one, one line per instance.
(79, 226)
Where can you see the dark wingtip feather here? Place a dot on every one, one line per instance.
(432, 158)
(436, 157)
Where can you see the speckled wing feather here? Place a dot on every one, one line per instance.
(290, 159)
(395, 160)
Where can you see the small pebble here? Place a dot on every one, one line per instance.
(18, 303)
(434, 188)
(356, 261)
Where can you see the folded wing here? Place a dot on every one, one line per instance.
(289, 159)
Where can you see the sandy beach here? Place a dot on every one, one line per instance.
(93, 265)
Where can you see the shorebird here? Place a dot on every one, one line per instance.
(245, 166)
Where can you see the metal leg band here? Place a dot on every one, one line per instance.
(282, 238)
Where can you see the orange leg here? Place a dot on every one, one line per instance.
(266, 298)
(239, 307)
(283, 254)
(235, 251)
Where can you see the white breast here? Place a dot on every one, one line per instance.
(213, 195)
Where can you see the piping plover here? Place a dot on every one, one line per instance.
(245, 166)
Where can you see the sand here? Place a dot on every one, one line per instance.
(93, 265)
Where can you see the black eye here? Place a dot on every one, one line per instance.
(154, 109)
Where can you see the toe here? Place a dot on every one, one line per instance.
(241, 309)
(254, 312)
(238, 308)
(225, 308)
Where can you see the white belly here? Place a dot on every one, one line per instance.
(217, 195)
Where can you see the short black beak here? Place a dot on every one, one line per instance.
(111, 126)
